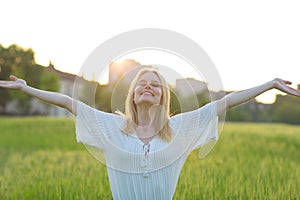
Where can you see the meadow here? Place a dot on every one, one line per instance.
(40, 159)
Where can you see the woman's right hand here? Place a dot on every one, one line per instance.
(54, 98)
(282, 85)
(14, 83)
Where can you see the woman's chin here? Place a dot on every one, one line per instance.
(147, 102)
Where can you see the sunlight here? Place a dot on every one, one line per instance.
(170, 65)
(268, 97)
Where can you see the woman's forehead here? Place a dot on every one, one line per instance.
(149, 76)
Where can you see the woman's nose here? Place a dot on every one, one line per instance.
(147, 86)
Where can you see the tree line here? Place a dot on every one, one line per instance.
(20, 62)
(286, 108)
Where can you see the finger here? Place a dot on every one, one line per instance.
(13, 78)
(288, 82)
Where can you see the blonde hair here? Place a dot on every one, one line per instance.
(160, 111)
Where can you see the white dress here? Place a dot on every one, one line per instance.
(138, 171)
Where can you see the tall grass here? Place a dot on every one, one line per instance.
(40, 159)
(251, 161)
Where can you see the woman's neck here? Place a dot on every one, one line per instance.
(145, 129)
(143, 116)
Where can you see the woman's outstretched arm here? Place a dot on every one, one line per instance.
(237, 98)
(54, 98)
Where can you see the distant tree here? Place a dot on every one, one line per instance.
(86, 90)
(203, 98)
(118, 94)
(49, 81)
(174, 103)
(15, 60)
(103, 98)
(286, 109)
(240, 114)
(21, 63)
(5, 70)
(179, 104)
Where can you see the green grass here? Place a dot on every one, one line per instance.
(40, 159)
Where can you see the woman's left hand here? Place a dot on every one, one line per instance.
(282, 85)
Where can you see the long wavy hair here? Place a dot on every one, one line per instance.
(161, 112)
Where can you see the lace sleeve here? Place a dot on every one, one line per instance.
(199, 127)
(91, 126)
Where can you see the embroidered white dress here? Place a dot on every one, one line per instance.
(138, 171)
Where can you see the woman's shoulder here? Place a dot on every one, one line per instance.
(86, 110)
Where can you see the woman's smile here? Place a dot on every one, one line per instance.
(148, 89)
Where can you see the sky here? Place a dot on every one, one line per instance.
(250, 42)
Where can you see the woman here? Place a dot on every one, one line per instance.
(144, 148)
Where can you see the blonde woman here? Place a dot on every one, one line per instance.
(144, 148)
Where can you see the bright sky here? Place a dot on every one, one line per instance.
(250, 42)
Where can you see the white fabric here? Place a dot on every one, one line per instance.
(132, 174)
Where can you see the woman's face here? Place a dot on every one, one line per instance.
(148, 89)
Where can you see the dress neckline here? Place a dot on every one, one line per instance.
(138, 139)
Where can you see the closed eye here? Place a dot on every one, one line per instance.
(155, 84)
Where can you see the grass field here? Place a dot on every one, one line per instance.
(40, 159)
